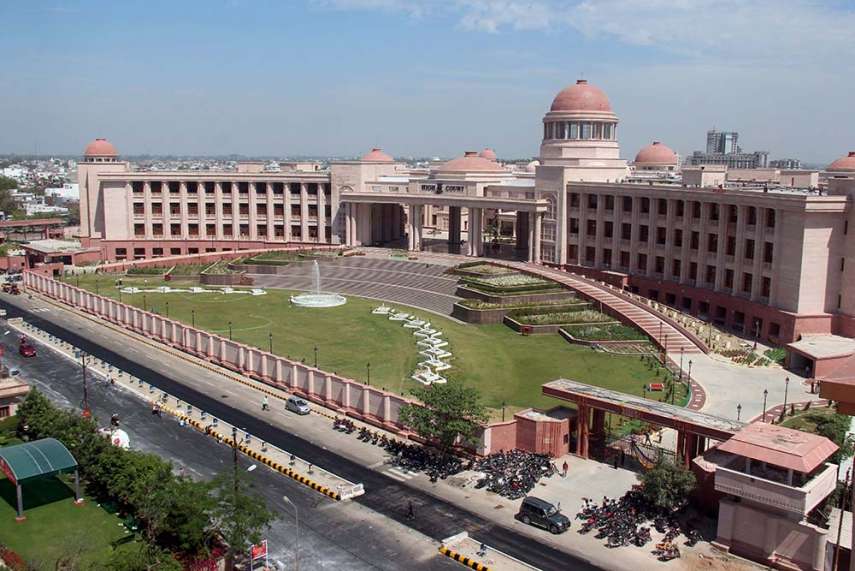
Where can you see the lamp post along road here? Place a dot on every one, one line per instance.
(765, 394)
(296, 535)
(738, 412)
(786, 390)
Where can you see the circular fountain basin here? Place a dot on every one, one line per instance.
(318, 300)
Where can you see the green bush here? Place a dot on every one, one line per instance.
(559, 318)
(149, 270)
(549, 306)
(608, 332)
(776, 355)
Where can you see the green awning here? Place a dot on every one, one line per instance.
(34, 459)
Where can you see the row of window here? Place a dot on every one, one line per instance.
(227, 209)
(141, 253)
(194, 231)
(714, 210)
(579, 131)
(744, 286)
(210, 187)
(749, 249)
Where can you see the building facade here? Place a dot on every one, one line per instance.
(770, 258)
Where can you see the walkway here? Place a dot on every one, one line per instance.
(413, 283)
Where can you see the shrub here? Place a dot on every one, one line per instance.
(667, 486)
(148, 270)
(776, 355)
(559, 318)
(608, 332)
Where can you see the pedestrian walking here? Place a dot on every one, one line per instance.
(565, 467)
(616, 461)
(622, 457)
(265, 403)
(411, 512)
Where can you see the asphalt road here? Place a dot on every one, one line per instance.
(333, 535)
(435, 518)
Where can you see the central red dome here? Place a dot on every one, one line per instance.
(377, 156)
(470, 162)
(100, 148)
(488, 154)
(581, 97)
(846, 163)
(656, 153)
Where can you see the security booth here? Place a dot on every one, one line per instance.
(41, 458)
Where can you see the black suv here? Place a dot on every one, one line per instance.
(541, 513)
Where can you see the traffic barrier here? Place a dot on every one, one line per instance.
(469, 562)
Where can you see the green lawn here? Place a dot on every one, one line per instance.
(55, 527)
(505, 366)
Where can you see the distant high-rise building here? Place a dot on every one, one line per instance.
(723, 149)
(786, 164)
(722, 142)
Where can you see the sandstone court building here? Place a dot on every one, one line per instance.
(769, 256)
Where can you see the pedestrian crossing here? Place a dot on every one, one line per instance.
(40, 309)
(400, 474)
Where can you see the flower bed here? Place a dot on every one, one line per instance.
(148, 270)
(564, 317)
(479, 304)
(605, 332)
(482, 269)
(509, 284)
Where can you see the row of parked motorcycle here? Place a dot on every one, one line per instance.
(510, 474)
(627, 521)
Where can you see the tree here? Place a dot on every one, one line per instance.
(836, 428)
(239, 516)
(448, 412)
(667, 485)
(145, 557)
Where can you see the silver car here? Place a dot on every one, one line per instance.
(298, 405)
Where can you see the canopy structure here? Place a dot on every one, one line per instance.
(40, 458)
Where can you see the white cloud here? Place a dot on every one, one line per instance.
(798, 31)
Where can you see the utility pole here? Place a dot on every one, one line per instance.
(87, 412)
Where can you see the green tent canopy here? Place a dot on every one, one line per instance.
(40, 458)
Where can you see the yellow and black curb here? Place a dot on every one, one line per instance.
(282, 469)
(462, 559)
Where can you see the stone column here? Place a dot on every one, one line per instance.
(347, 227)
(411, 228)
(304, 212)
(532, 238)
(538, 223)
(419, 225)
(454, 225)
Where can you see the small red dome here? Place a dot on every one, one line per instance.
(377, 156)
(846, 163)
(100, 148)
(656, 153)
(581, 97)
(470, 162)
(488, 154)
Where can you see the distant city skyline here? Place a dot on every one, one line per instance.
(420, 77)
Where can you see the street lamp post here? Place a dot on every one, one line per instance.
(738, 411)
(689, 378)
(368, 373)
(144, 303)
(786, 390)
(765, 394)
(86, 410)
(193, 318)
(681, 364)
(316, 356)
(230, 330)
(503, 410)
(296, 535)
(270, 342)
(167, 310)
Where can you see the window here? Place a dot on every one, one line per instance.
(155, 187)
(681, 206)
(174, 187)
(768, 252)
(645, 205)
(710, 276)
(261, 210)
(243, 209)
(574, 225)
(210, 229)
(193, 209)
(137, 186)
(574, 200)
(227, 209)
(626, 231)
(121, 253)
(747, 279)
(175, 251)
(157, 230)
(693, 271)
(770, 218)
(139, 208)
(624, 259)
(574, 130)
(695, 240)
(714, 212)
(608, 230)
(661, 235)
(662, 206)
(192, 187)
(676, 266)
(156, 252)
(749, 249)
(730, 247)
(627, 204)
(226, 187)
(766, 287)
(752, 216)
(591, 229)
(659, 265)
(227, 230)
(592, 201)
(712, 243)
(774, 329)
(643, 234)
(607, 257)
(157, 209)
(728, 279)
(610, 202)
(139, 230)
(243, 188)
(210, 187)
(590, 255)
(642, 262)
(261, 188)
(586, 130)
(175, 229)
(193, 230)
(696, 210)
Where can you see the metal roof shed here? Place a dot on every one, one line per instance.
(40, 458)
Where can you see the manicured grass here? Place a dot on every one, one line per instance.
(609, 332)
(506, 367)
(55, 527)
(8, 432)
(808, 420)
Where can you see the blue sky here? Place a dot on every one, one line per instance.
(420, 77)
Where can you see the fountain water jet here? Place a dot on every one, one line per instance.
(315, 297)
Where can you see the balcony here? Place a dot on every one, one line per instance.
(793, 499)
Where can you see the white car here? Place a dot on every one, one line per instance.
(298, 405)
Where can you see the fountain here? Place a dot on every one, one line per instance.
(316, 298)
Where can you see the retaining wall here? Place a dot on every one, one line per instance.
(346, 396)
(559, 294)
